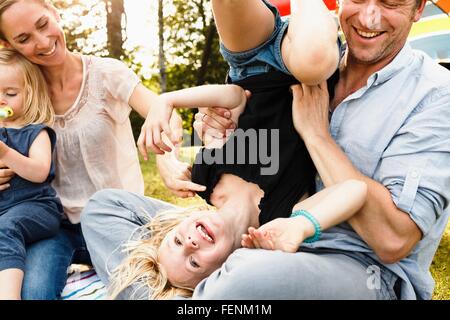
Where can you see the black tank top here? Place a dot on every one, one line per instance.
(269, 108)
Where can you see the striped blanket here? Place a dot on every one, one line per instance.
(84, 284)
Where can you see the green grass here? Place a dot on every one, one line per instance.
(440, 268)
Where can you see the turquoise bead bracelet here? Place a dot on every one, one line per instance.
(317, 228)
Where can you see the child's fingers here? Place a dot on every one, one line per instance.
(263, 239)
(141, 146)
(157, 143)
(184, 194)
(247, 242)
(149, 142)
(255, 238)
(168, 132)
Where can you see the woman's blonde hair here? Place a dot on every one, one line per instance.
(37, 106)
(5, 4)
(141, 267)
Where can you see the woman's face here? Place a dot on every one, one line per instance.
(34, 31)
(195, 248)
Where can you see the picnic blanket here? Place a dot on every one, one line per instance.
(84, 284)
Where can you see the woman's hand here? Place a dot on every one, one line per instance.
(6, 174)
(156, 123)
(176, 175)
(284, 234)
(310, 110)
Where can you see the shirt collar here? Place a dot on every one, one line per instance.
(400, 61)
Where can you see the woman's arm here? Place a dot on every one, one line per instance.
(236, 21)
(310, 50)
(329, 207)
(36, 166)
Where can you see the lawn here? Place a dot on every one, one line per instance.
(440, 267)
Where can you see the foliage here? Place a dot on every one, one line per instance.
(81, 21)
(187, 24)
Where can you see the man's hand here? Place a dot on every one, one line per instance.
(176, 175)
(310, 110)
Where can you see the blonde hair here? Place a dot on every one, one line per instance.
(141, 267)
(37, 106)
(5, 4)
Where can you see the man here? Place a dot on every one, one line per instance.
(389, 126)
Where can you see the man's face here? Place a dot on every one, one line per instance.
(376, 30)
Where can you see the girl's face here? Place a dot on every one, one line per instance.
(12, 92)
(195, 248)
(34, 31)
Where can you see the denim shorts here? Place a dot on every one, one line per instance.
(261, 59)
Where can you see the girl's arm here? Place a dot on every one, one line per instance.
(310, 50)
(223, 96)
(329, 207)
(236, 21)
(36, 166)
(141, 100)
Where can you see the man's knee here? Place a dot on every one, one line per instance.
(248, 274)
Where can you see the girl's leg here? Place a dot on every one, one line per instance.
(109, 220)
(23, 224)
(11, 284)
(236, 21)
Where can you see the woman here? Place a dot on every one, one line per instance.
(92, 98)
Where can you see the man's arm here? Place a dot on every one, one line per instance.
(390, 232)
(379, 215)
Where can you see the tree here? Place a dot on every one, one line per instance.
(192, 49)
(115, 14)
(79, 34)
(161, 56)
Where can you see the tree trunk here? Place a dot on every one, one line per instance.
(204, 65)
(206, 52)
(162, 58)
(114, 13)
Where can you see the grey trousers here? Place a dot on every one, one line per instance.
(111, 217)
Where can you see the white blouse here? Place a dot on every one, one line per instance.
(95, 145)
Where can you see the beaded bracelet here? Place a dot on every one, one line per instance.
(317, 228)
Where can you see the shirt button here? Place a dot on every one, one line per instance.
(414, 174)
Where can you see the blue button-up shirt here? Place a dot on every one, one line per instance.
(395, 130)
